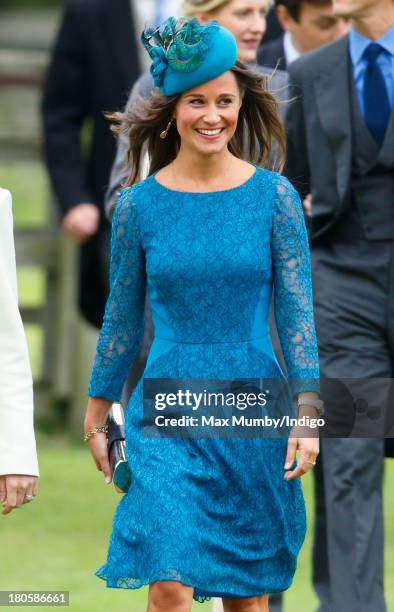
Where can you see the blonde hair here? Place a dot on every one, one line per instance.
(190, 8)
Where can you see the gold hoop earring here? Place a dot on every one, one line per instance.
(164, 133)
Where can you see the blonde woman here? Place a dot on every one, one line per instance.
(18, 458)
(246, 19)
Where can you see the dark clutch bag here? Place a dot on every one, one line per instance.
(121, 473)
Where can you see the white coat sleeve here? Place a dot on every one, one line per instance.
(18, 454)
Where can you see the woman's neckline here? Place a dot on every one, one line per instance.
(246, 182)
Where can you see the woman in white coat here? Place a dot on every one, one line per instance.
(18, 456)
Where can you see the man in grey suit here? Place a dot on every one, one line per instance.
(341, 149)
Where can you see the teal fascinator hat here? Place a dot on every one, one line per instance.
(186, 53)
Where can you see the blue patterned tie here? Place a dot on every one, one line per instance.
(376, 101)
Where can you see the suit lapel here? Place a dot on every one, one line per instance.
(120, 32)
(386, 153)
(282, 55)
(333, 101)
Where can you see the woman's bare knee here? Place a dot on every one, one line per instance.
(246, 604)
(169, 596)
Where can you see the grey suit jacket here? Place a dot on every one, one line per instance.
(272, 54)
(319, 134)
(278, 84)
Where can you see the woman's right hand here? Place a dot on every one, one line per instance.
(14, 488)
(99, 450)
(96, 416)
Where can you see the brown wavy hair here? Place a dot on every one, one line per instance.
(259, 132)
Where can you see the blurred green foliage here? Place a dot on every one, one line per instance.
(31, 4)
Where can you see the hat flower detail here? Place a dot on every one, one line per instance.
(159, 65)
(178, 43)
(186, 53)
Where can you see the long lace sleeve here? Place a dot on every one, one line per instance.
(123, 325)
(293, 289)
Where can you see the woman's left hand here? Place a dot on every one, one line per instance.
(300, 439)
(308, 451)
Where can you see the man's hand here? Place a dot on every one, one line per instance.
(81, 222)
(307, 204)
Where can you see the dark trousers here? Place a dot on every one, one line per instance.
(354, 305)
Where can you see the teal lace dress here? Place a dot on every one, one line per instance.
(215, 514)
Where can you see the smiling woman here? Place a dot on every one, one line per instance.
(208, 234)
(236, 108)
(245, 19)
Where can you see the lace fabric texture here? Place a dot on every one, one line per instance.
(123, 324)
(212, 513)
(293, 289)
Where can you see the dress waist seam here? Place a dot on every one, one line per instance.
(217, 342)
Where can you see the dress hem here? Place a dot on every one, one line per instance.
(126, 582)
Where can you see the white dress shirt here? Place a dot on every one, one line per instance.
(18, 453)
(291, 52)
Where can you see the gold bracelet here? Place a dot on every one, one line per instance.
(91, 432)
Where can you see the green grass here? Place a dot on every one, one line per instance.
(59, 540)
